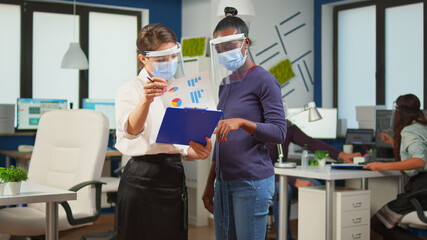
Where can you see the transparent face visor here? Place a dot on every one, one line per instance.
(227, 59)
(167, 62)
(393, 114)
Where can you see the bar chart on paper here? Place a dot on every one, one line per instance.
(196, 95)
(192, 82)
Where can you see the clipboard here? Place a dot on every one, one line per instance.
(348, 166)
(182, 125)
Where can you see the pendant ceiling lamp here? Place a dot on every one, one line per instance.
(75, 58)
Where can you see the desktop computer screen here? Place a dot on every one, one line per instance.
(361, 139)
(30, 110)
(359, 136)
(106, 106)
(326, 128)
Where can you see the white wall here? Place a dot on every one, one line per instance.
(264, 31)
(196, 18)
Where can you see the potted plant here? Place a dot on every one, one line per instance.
(13, 176)
(321, 157)
(2, 182)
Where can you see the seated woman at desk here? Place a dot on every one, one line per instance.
(296, 136)
(410, 151)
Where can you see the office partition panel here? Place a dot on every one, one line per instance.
(404, 41)
(52, 33)
(112, 52)
(356, 61)
(10, 52)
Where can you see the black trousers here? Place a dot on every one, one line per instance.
(152, 199)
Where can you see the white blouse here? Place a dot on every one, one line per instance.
(127, 98)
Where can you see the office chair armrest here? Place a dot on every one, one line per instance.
(416, 193)
(84, 184)
(67, 208)
(417, 205)
(119, 171)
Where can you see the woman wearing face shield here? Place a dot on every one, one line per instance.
(410, 153)
(152, 198)
(253, 116)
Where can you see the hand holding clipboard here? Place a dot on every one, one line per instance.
(182, 125)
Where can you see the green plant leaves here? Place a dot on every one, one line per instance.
(321, 154)
(318, 155)
(13, 174)
(2, 174)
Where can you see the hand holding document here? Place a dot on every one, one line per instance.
(190, 114)
(182, 125)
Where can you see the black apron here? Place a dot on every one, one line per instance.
(152, 199)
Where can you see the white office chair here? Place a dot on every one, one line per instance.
(110, 189)
(69, 153)
(416, 219)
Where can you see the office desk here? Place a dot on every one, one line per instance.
(22, 158)
(329, 175)
(36, 193)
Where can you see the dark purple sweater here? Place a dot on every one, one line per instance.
(257, 98)
(295, 135)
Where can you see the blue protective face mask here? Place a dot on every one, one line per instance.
(233, 59)
(165, 70)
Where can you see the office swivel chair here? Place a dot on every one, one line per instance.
(417, 218)
(69, 153)
(110, 188)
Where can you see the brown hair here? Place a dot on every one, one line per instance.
(151, 37)
(407, 111)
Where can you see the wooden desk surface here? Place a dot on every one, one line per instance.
(16, 154)
(112, 153)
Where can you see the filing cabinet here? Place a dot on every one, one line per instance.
(351, 213)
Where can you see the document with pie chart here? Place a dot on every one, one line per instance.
(193, 91)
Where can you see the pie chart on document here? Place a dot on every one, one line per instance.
(174, 89)
(176, 102)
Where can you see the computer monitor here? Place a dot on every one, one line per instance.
(326, 128)
(359, 136)
(361, 139)
(106, 106)
(30, 110)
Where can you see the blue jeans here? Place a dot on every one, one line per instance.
(276, 204)
(241, 208)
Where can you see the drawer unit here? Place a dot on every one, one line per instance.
(353, 218)
(355, 233)
(355, 202)
(351, 213)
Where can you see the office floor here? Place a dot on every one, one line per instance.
(105, 223)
